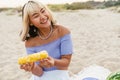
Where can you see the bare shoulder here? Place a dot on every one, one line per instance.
(63, 28)
(30, 42)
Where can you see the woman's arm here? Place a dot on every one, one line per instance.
(32, 67)
(37, 70)
(63, 62)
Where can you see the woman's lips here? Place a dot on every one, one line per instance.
(43, 22)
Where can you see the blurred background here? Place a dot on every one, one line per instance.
(95, 30)
(62, 4)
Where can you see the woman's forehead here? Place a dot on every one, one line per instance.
(34, 9)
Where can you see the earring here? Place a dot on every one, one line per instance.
(31, 24)
(34, 30)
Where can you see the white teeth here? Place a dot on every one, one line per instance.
(44, 21)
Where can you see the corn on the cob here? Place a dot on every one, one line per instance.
(33, 57)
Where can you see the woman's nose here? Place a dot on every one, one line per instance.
(42, 17)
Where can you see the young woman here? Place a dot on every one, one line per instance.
(41, 32)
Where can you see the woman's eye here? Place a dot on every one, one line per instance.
(42, 11)
(35, 16)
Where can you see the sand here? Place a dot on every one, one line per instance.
(95, 35)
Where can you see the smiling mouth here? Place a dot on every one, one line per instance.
(45, 21)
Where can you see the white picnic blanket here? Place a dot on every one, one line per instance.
(93, 72)
(53, 75)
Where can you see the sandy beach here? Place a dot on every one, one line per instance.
(95, 35)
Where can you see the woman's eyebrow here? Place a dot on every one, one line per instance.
(34, 14)
(37, 13)
(41, 9)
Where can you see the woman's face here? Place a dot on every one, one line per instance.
(40, 18)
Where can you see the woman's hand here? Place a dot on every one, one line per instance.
(47, 63)
(27, 66)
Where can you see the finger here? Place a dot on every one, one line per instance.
(48, 57)
(26, 68)
(48, 66)
(32, 65)
(41, 61)
(21, 66)
(43, 64)
(27, 64)
(47, 61)
(29, 68)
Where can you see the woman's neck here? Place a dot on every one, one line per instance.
(45, 33)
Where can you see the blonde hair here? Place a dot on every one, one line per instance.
(28, 8)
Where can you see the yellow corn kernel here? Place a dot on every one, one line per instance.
(33, 57)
